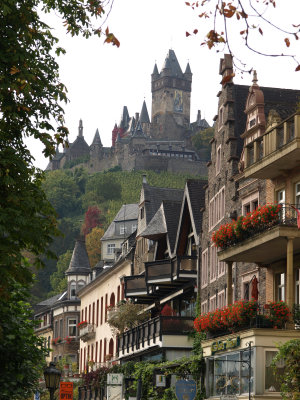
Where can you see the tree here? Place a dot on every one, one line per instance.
(289, 355)
(252, 19)
(201, 139)
(126, 315)
(21, 352)
(58, 278)
(93, 245)
(31, 95)
(92, 219)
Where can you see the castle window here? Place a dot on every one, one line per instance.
(142, 212)
(221, 117)
(73, 290)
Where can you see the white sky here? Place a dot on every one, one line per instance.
(102, 78)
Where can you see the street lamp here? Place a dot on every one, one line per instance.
(52, 378)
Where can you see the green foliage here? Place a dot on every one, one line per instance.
(126, 315)
(58, 279)
(202, 138)
(76, 161)
(63, 193)
(289, 354)
(21, 351)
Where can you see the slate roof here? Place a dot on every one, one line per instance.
(188, 69)
(196, 192)
(282, 100)
(128, 212)
(43, 305)
(154, 196)
(79, 263)
(144, 116)
(97, 139)
(164, 222)
(172, 63)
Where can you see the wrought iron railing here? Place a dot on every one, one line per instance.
(152, 331)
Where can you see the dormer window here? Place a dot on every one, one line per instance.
(142, 212)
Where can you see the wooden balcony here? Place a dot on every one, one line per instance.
(161, 331)
(136, 288)
(274, 153)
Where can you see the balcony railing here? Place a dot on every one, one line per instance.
(276, 149)
(153, 330)
(135, 285)
(259, 223)
(169, 270)
(87, 332)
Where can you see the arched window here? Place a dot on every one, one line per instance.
(112, 300)
(111, 348)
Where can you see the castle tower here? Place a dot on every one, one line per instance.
(171, 92)
(144, 119)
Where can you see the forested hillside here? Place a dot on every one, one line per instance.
(71, 192)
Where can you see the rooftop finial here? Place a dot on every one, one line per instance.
(254, 80)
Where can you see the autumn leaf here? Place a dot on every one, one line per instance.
(287, 42)
(187, 34)
(260, 31)
(14, 70)
(298, 68)
(227, 78)
(195, 31)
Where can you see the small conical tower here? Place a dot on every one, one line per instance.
(79, 269)
(96, 146)
(144, 119)
(114, 135)
(188, 73)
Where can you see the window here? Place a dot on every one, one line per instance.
(204, 307)
(212, 303)
(221, 299)
(271, 382)
(111, 248)
(221, 267)
(213, 263)
(61, 332)
(97, 313)
(218, 160)
(281, 196)
(133, 228)
(204, 268)
(217, 208)
(72, 330)
(221, 117)
(226, 377)
(93, 314)
(73, 290)
(142, 212)
(280, 287)
(250, 203)
(297, 195)
(123, 230)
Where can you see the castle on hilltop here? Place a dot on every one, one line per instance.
(162, 144)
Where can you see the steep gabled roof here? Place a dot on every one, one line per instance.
(79, 263)
(153, 197)
(128, 212)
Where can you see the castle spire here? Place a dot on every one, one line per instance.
(155, 70)
(80, 129)
(144, 116)
(97, 139)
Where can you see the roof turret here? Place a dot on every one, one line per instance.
(172, 65)
(155, 70)
(80, 128)
(97, 139)
(124, 119)
(188, 69)
(79, 263)
(144, 116)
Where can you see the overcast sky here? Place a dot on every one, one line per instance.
(101, 78)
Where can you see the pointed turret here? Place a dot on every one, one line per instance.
(114, 135)
(172, 64)
(79, 264)
(155, 70)
(97, 139)
(139, 130)
(144, 116)
(80, 128)
(124, 122)
(188, 73)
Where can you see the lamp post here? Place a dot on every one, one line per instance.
(52, 379)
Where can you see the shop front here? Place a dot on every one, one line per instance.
(239, 364)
